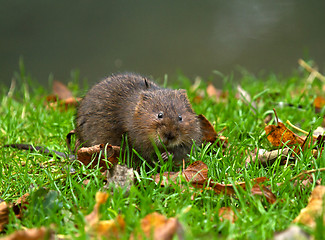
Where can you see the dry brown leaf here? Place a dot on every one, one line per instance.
(314, 209)
(93, 217)
(197, 175)
(167, 178)
(62, 97)
(157, 226)
(226, 213)
(197, 99)
(256, 189)
(16, 207)
(30, 234)
(65, 104)
(209, 134)
(319, 103)
(268, 157)
(85, 155)
(263, 191)
(4, 215)
(61, 90)
(212, 91)
(114, 228)
(278, 135)
(217, 94)
(106, 228)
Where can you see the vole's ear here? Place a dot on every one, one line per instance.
(182, 92)
(183, 96)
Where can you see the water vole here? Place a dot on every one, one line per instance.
(133, 105)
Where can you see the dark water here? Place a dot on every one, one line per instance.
(158, 37)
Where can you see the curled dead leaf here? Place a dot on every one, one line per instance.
(269, 157)
(209, 134)
(106, 157)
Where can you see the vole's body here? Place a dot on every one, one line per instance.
(131, 104)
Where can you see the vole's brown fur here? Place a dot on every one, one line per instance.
(131, 104)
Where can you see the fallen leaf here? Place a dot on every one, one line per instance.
(263, 191)
(268, 157)
(319, 103)
(319, 131)
(315, 208)
(226, 213)
(109, 229)
(278, 135)
(166, 178)
(4, 215)
(65, 104)
(30, 234)
(85, 155)
(197, 175)
(157, 226)
(217, 94)
(17, 207)
(20, 205)
(62, 97)
(209, 134)
(61, 90)
(93, 217)
(197, 99)
(256, 189)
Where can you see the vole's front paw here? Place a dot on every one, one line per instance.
(165, 155)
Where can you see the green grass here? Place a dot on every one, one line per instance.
(59, 199)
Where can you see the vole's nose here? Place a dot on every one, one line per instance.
(170, 136)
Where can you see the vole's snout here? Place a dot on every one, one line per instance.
(169, 138)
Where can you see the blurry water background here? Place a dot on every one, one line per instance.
(155, 38)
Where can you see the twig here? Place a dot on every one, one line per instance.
(306, 172)
(311, 70)
(276, 116)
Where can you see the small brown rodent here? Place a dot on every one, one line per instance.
(133, 105)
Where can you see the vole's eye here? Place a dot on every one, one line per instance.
(180, 118)
(160, 115)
